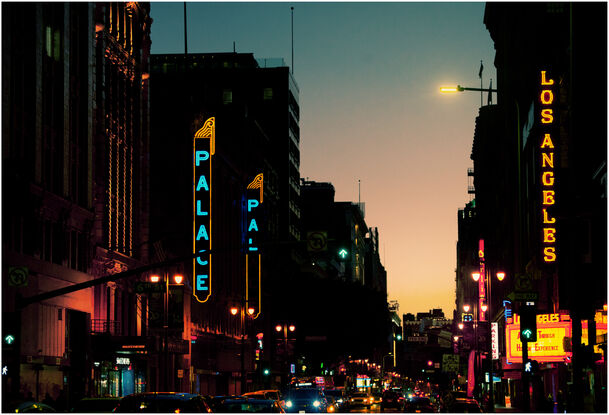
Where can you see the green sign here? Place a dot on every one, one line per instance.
(343, 253)
(9, 339)
(17, 276)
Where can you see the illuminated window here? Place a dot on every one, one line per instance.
(267, 94)
(227, 96)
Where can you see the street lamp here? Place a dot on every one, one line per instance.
(234, 310)
(177, 279)
(383, 366)
(285, 328)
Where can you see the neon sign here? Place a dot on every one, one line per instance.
(204, 144)
(549, 347)
(253, 255)
(546, 98)
(482, 280)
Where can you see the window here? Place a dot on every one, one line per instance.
(267, 94)
(227, 96)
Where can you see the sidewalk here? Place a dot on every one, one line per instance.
(499, 408)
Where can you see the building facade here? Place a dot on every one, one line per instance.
(74, 130)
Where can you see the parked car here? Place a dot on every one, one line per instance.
(96, 405)
(419, 404)
(214, 401)
(360, 399)
(392, 399)
(273, 394)
(31, 406)
(162, 402)
(305, 399)
(249, 405)
(461, 405)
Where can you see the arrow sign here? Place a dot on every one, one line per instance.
(527, 333)
(343, 253)
(9, 339)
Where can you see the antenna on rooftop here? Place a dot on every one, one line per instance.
(292, 12)
(185, 33)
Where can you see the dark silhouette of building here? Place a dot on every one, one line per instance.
(540, 183)
(75, 192)
(256, 131)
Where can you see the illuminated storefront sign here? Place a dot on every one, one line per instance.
(600, 319)
(481, 281)
(253, 253)
(546, 98)
(203, 150)
(495, 340)
(549, 347)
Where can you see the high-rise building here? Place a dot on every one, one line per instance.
(254, 108)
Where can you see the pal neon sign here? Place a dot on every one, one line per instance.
(550, 344)
(204, 144)
(547, 149)
(253, 254)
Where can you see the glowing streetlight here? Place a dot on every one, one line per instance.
(500, 275)
(484, 307)
(466, 308)
(476, 276)
(234, 311)
(460, 326)
(155, 278)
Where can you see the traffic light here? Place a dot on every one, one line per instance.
(528, 323)
(531, 366)
(343, 254)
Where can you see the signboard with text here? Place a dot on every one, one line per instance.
(549, 347)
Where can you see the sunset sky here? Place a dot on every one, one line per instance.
(370, 109)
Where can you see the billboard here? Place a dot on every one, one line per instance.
(549, 347)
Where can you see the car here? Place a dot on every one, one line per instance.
(31, 406)
(305, 399)
(91, 405)
(249, 405)
(463, 405)
(377, 397)
(419, 404)
(392, 399)
(214, 401)
(162, 402)
(338, 395)
(264, 394)
(360, 399)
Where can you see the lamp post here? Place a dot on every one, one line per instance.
(242, 310)
(285, 328)
(177, 279)
(383, 366)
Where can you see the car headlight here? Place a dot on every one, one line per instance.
(288, 404)
(316, 403)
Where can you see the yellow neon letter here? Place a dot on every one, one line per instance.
(543, 79)
(547, 97)
(547, 142)
(547, 178)
(547, 159)
(549, 254)
(549, 235)
(546, 116)
(546, 218)
(548, 197)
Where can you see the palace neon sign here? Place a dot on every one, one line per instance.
(253, 256)
(546, 98)
(204, 144)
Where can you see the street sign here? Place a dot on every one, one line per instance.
(523, 283)
(317, 241)
(524, 296)
(148, 287)
(17, 276)
(450, 363)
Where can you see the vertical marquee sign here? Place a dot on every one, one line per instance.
(253, 255)
(547, 150)
(481, 281)
(203, 150)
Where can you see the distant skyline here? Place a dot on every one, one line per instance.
(369, 76)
